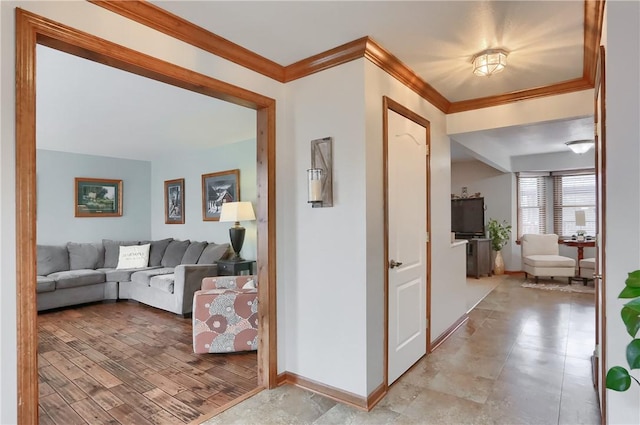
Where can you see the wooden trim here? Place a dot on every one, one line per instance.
(554, 89)
(282, 379)
(27, 331)
(226, 406)
(397, 69)
(174, 26)
(32, 29)
(450, 330)
(593, 20)
(325, 60)
(341, 396)
(390, 104)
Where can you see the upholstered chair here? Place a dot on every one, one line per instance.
(587, 269)
(540, 257)
(225, 315)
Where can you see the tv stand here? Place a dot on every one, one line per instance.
(479, 257)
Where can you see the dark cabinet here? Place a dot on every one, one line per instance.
(479, 257)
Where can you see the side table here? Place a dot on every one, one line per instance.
(235, 268)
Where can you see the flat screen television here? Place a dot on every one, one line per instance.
(467, 217)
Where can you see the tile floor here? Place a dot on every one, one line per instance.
(522, 358)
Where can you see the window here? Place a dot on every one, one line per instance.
(573, 192)
(550, 200)
(532, 203)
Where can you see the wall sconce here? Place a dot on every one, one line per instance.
(320, 175)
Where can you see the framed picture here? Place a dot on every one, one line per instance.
(98, 197)
(174, 201)
(218, 188)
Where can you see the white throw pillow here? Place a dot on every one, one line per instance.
(133, 257)
(251, 284)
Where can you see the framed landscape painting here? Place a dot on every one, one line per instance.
(218, 188)
(98, 197)
(174, 201)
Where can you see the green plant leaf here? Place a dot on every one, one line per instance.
(631, 320)
(618, 379)
(633, 354)
(633, 280)
(629, 292)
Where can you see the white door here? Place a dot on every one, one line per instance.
(407, 214)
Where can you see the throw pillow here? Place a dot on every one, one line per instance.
(212, 253)
(85, 255)
(133, 257)
(112, 251)
(192, 253)
(174, 253)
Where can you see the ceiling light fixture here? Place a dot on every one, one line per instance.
(489, 62)
(580, 146)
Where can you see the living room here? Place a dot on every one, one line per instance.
(192, 136)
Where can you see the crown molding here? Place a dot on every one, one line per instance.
(396, 68)
(325, 60)
(174, 26)
(554, 89)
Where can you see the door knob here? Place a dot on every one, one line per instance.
(393, 264)
(597, 276)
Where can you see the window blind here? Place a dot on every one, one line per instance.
(573, 192)
(532, 203)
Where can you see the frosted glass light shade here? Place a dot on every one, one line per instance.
(580, 146)
(237, 211)
(580, 218)
(489, 62)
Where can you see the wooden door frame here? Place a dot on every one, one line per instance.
(32, 29)
(387, 105)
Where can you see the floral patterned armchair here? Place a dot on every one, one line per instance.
(225, 315)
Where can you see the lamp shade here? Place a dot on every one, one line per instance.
(489, 62)
(580, 146)
(237, 211)
(580, 218)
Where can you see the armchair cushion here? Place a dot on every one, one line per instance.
(549, 261)
(540, 244)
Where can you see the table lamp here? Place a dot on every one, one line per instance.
(581, 221)
(237, 212)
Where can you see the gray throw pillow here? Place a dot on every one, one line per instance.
(212, 253)
(51, 259)
(157, 251)
(174, 253)
(112, 251)
(85, 255)
(192, 253)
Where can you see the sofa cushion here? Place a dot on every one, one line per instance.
(112, 251)
(588, 263)
(133, 257)
(174, 253)
(193, 252)
(164, 282)
(45, 284)
(75, 278)
(85, 255)
(121, 275)
(212, 253)
(549, 261)
(51, 259)
(144, 276)
(157, 251)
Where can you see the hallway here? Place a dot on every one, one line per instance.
(522, 358)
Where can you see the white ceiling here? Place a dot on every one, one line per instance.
(436, 39)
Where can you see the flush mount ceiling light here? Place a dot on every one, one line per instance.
(580, 146)
(489, 62)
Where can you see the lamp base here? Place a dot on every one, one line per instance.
(236, 234)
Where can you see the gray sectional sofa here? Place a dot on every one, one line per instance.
(78, 273)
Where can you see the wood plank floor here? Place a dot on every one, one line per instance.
(127, 363)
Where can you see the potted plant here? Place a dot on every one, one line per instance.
(618, 377)
(499, 233)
